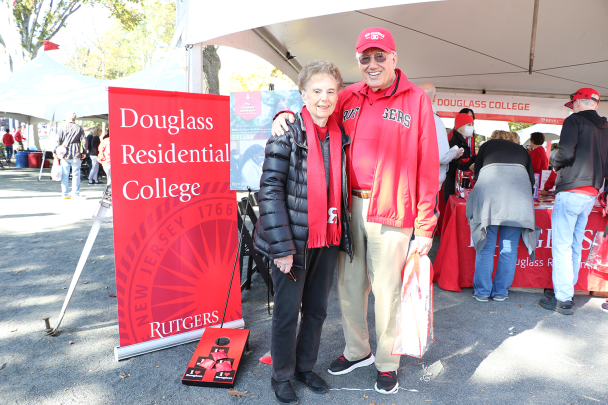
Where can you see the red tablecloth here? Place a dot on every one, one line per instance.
(454, 265)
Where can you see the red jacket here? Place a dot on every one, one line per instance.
(7, 139)
(19, 137)
(539, 160)
(405, 187)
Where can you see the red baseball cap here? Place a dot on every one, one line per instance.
(585, 92)
(462, 119)
(376, 37)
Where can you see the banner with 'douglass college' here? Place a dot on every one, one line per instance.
(175, 233)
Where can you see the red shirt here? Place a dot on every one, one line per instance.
(18, 137)
(7, 139)
(365, 140)
(539, 159)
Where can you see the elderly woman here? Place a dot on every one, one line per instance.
(500, 201)
(302, 228)
(462, 134)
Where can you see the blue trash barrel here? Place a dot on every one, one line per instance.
(22, 159)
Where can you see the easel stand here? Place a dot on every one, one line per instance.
(204, 369)
(104, 205)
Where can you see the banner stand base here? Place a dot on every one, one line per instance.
(122, 353)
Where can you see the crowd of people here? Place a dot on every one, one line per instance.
(351, 179)
(9, 140)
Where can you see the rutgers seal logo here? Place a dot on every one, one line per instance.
(374, 35)
(332, 215)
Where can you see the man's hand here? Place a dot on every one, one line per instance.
(284, 263)
(472, 167)
(544, 192)
(279, 126)
(424, 245)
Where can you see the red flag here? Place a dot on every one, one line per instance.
(49, 46)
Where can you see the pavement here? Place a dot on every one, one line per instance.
(512, 352)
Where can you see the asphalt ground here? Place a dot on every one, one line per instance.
(512, 352)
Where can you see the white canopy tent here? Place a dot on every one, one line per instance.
(461, 46)
(44, 91)
(551, 132)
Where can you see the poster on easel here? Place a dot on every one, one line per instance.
(175, 232)
(251, 114)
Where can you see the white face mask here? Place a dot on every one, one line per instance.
(468, 131)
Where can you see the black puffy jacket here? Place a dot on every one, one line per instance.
(282, 228)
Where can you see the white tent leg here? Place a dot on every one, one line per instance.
(42, 165)
(104, 204)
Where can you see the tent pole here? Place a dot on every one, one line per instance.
(195, 82)
(533, 40)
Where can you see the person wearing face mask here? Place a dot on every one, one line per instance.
(462, 134)
(303, 224)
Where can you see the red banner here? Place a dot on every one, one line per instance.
(454, 264)
(175, 232)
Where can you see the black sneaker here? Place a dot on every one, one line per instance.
(500, 298)
(342, 366)
(605, 306)
(480, 298)
(563, 307)
(312, 381)
(549, 293)
(284, 392)
(386, 382)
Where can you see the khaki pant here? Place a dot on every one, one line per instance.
(380, 254)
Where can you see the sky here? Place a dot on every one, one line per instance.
(91, 22)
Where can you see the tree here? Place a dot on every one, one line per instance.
(121, 52)
(517, 126)
(259, 80)
(40, 20)
(211, 69)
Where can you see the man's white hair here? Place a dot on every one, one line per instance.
(587, 102)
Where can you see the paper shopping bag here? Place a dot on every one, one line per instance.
(56, 170)
(598, 253)
(415, 318)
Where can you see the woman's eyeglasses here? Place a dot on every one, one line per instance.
(379, 57)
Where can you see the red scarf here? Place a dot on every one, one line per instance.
(323, 210)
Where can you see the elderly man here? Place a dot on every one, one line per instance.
(393, 167)
(581, 164)
(446, 155)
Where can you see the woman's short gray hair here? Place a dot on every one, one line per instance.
(318, 67)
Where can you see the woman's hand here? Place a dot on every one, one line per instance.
(284, 263)
(279, 125)
(544, 192)
(459, 153)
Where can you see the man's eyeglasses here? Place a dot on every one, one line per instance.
(379, 57)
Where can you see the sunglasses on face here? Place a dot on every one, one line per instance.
(379, 57)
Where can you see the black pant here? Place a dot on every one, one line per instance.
(309, 296)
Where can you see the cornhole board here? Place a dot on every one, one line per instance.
(197, 375)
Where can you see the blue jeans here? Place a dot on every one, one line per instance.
(9, 151)
(568, 222)
(507, 260)
(65, 176)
